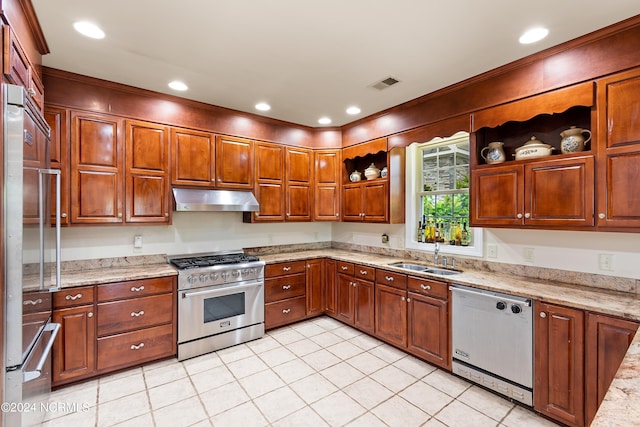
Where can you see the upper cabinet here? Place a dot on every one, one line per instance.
(19, 70)
(299, 179)
(234, 163)
(547, 183)
(58, 120)
(327, 185)
(379, 197)
(618, 150)
(193, 158)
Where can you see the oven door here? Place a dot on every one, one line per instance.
(216, 309)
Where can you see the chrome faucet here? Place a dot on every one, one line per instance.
(436, 250)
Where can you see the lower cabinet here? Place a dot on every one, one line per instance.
(355, 295)
(284, 293)
(316, 290)
(559, 363)
(113, 326)
(331, 277)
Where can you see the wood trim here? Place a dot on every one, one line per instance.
(34, 26)
(443, 128)
(361, 150)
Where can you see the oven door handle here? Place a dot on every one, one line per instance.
(218, 289)
(32, 375)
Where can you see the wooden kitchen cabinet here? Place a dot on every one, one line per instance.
(606, 343)
(270, 185)
(193, 155)
(285, 293)
(355, 296)
(618, 148)
(147, 173)
(234, 163)
(74, 350)
(18, 68)
(58, 120)
(315, 286)
(365, 201)
(298, 178)
(331, 278)
(97, 169)
(327, 185)
(546, 193)
(391, 314)
(559, 363)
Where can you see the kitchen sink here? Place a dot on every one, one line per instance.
(424, 268)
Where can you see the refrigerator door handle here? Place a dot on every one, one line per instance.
(32, 375)
(55, 172)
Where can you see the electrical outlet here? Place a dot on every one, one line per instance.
(492, 250)
(606, 262)
(137, 241)
(529, 254)
(385, 238)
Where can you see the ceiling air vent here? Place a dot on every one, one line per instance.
(385, 83)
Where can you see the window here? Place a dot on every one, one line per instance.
(438, 178)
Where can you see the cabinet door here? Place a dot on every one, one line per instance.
(391, 314)
(618, 148)
(316, 291)
(97, 171)
(364, 303)
(270, 192)
(234, 163)
(559, 363)
(147, 173)
(352, 202)
(58, 120)
(345, 298)
(497, 196)
(331, 286)
(16, 63)
(298, 176)
(375, 201)
(193, 158)
(607, 341)
(560, 192)
(74, 350)
(327, 178)
(298, 201)
(428, 321)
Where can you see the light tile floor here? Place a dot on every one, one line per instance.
(314, 373)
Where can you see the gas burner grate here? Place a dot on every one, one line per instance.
(211, 260)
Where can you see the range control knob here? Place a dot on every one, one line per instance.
(203, 278)
(515, 309)
(192, 279)
(213, 276)
(501, 306)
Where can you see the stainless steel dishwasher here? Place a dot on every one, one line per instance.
(492, 340)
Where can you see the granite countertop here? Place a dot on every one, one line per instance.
(97, 276)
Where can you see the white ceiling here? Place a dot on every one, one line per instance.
(308, 58)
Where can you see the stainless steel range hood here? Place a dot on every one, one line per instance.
(214, 200)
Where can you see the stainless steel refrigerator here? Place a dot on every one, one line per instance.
(32, 259)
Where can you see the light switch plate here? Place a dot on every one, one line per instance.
(605, 262)
(529, 254)
(492, 250)
(137, 241)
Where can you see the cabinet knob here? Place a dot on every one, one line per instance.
(408, 299)
(166, 214)
(90, 314)
(601, 215)
(353, 284)
(543, 314)
(519, 216)
(119, 215)
(63, 215)
(337, 214)
(527, 215)
(32, 92)
(402, 298)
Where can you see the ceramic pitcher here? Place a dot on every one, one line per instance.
(573, 139)
(495, 153)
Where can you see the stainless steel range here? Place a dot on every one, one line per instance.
(220, 301)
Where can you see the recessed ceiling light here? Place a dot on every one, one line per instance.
(88, 29)
(263, 106)
(324, 120)
(178, 85)
(353, 110)
(533, 35)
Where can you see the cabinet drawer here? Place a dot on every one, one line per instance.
(284, 312)
(284, 287)
(73, 296)
(135, 288)
(345, 267)
(283, 268)
(366, 273)
(120, 316)
(389, 278)
(428, 287)
(132, 348)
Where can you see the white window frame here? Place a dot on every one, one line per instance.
(412, 204)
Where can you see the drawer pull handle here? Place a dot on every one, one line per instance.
(286, 268)
(137, 347)
(73, 297)
(32, 302)
(138, 314)
(286, 287)
(286, 311)
(389, 278)
(343, 267)
(363, 272)
(425, 287)
(134, 289)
